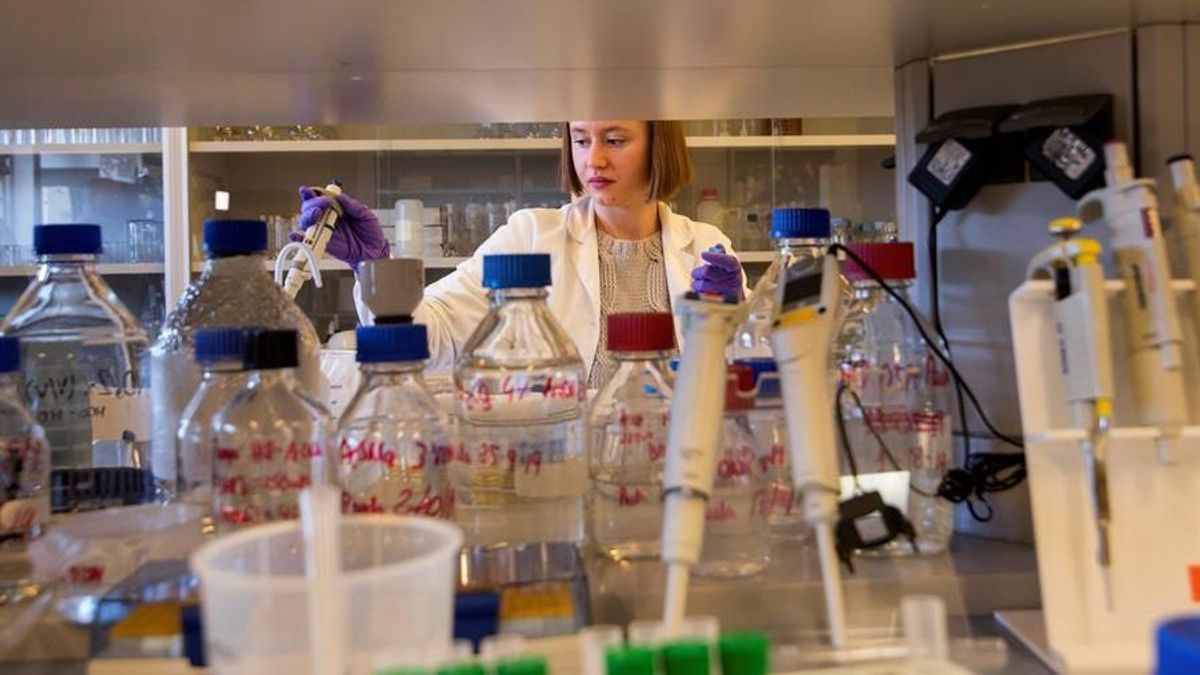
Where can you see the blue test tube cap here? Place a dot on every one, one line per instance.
(800, 223)
(392, 343)
(234, 237)
(220, 344)
(67, 239)
(516, 270)
(10, 354)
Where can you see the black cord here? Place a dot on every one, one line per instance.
(887, 452)
(841, 422)
(929, 342)
(936, 314)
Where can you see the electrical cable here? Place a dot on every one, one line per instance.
(936, 315)
(887, 452)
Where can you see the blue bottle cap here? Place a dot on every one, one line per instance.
(10, 354)
(1178, 645)
(392, 343)
(516, 270)
(767, 387)
(67, 239)
(234, 237)
(220, 344)
(800, 223)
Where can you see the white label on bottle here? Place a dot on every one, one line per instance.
(117, 410)
(948, 161)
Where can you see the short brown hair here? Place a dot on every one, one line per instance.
(670, 163)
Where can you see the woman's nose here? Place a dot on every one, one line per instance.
(596, 156)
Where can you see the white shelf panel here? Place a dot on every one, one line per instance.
(80, 149)
(485, 144)
(102, 268)
(326, 265)
(756, 256)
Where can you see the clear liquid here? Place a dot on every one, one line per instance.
(520, 473)
(625, 512)
(735, 533)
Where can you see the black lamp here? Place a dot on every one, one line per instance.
(1065, 139)
(964, 153)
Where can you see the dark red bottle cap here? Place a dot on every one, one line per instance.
(641, 332)
(891, 260)
(739, 388)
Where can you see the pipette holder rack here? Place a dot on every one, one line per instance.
(1155, 500)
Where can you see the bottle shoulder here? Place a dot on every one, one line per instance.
(50, 308)
(520, 334)
(229, 300)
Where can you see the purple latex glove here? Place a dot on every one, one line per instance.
(721, 273)
(358, 237)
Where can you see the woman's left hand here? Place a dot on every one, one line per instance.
(721, 273)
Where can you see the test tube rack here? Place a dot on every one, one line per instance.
(1155, 497)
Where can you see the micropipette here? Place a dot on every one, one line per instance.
(693, 436)
(315, 239)
(1081, 317)
(1187, 219)
(1130, 209)
(810, 305)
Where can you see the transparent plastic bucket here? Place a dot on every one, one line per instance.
(398, 582)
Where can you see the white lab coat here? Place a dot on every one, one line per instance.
(455, 304)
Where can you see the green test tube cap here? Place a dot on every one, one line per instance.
(461, 668)
(629, 661)
(522, 665)
(744, 653)
(685, 657)
(401, 670)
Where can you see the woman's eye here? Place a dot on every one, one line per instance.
(579, 142)
(616, 141)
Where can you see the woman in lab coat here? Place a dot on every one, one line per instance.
(617, 247)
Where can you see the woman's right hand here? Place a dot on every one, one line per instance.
(359, 236)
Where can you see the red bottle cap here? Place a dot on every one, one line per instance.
(708, 192)
(891, 260)
(641, 332)
(739, 388)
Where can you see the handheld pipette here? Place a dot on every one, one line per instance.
(810, 303)
(1081, 317)
(1187, 219)
(315, 239)
(693, 438)
(1130, 209)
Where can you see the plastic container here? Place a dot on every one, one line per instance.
(270, 441)
(710, 209)
(80, 360)
(234, 289)
(24, 459)
(521, 388)
(798, 234)
(393, 443)
(221, 353)
(628, 424)
(735, 523)
(410, 223)
(398, 578)
(906, 396)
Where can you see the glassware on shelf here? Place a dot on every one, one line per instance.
(145, 240)
(477, 225)
(458, 235)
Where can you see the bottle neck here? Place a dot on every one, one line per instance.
(868, 287)
(500, 296)
(236, 264)
(789, 244)
(66, 264)
(224, 367)
(272, 377)
(658, 356)
(402, 369)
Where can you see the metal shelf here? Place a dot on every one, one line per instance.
(815, 141)
(81, 149)
(102, 268)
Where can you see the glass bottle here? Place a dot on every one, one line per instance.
(905, 392)
(521, 386)
(221, 353)
(798, 234)
(81, 350)
(24, 459)
(270, 440)
(735, 522)
(785, 516)
(394, 444)
(233, 289)
(628, 424)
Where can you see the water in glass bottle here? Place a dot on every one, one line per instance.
(24, 458)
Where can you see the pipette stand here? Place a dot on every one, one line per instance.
(1155, 498)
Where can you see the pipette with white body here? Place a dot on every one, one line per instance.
(810, 304)
(1187, 219)
(693, 438)
(1081, 318)
(1130, 209)
(315, 239)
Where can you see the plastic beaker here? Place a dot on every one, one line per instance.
(397, 580)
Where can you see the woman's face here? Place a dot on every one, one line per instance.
(612, 160)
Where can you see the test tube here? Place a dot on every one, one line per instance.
(923, 618)
(646, 633)
(594, 642)
(502, 646)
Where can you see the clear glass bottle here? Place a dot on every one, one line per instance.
(521, 386)
(735, 523)
(81, 352)
(221, 353)
(234, 289)
(270, 440)
(24, 459)
(394, 444)
(628, 423)
(785, 515)
(798, 234)
(906, 396)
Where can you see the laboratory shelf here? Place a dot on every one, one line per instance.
(756, 256)
(333, 265)
(102, 268)
(81, 149)
(814, 141)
